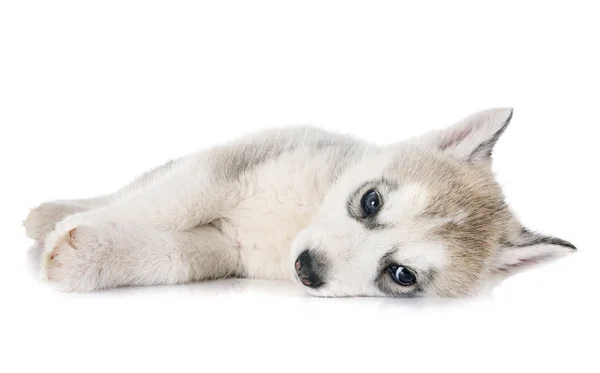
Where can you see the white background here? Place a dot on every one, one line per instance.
(93, 93)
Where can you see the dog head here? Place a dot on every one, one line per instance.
(423, 217)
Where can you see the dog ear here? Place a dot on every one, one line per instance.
(524, 247)
(473, 138)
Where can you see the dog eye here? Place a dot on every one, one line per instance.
(370, 203)
(402, 275)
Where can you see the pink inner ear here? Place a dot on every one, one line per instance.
(455, 138)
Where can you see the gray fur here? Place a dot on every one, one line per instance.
(234, 159)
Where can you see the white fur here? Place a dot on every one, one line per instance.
(250, 207)
(272, 210)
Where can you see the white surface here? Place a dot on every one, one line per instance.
(93, 94)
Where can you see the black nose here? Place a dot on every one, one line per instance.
(307, 269)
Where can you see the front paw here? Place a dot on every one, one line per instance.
(75, 256)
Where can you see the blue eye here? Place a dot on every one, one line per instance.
(402, 275)
(370, 203)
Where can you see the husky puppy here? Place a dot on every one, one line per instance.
(334, 214)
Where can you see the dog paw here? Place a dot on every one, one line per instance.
(43, 219)
(74, 256)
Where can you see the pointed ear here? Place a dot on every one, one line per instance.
(473, 138)
(525, 247)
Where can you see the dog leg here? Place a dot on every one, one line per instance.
(43, 219)
(189, 195)
(100, 255)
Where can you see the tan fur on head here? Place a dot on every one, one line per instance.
(489, 237)
(443, 216)
(472, 204)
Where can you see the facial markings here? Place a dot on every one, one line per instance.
(354, 206)
(401, 214)
(459, 208)
(388, 286)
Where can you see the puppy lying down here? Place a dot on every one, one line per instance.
(336, 215)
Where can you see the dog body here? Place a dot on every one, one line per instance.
(337, 215)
